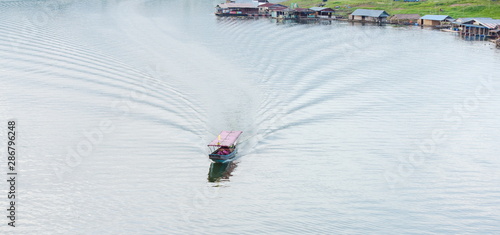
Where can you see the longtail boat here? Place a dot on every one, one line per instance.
(223, 148)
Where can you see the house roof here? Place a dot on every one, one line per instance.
(236, 5)
(277, 6)
(405, 17)
(436, 17)
(303, 10)
(279, 9)
(370, 13)
(490, 23)
(324, 9)
(479, 22)
(464, 20)
(267, 4)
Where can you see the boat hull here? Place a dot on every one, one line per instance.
(231, 14)
(222, 158)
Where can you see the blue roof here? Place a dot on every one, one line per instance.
(474, 26)
(435, 17)
(370, 13)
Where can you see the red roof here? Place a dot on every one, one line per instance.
(278, 8)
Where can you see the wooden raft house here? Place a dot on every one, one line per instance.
(323, 12)
(365, 15)
(236, 9)
(282, 13)
(406, 19)
(267, 8)
(304, 13)
(478, 28)
(436, 20)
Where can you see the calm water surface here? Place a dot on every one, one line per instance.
(348, 129)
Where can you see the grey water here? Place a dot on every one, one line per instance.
(348, 128)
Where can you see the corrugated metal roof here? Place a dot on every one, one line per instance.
(324, 9)
(370, 13)
(279, 9)
(490, 23)
(463, 20)
(435, 17)
(405, 17)
(484, 22)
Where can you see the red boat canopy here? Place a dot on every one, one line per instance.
(226, 138)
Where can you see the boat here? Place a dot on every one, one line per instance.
(231, 13)
(223, 148)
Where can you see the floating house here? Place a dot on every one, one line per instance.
(365, 15)
(282, 13)
(435, 20)
(304, 13)
(268, 7)
(404, 18)
(323, 12)
(236, 9)
(480, 28)
(459, 21)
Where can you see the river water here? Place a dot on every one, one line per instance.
(348, 128)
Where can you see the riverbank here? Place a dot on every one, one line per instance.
(453, 8)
